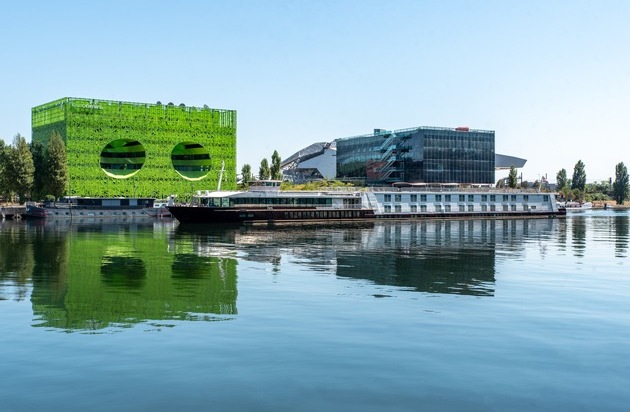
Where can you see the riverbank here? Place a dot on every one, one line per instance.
(609, 204)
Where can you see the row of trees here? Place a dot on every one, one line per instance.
(265, 171)
(32, 172)
(576, 188)
(579, 178)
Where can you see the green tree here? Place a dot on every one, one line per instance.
(246, 172)
(598, 191)
(561, 179)
(20, 168)
(275, 172)
(512, 178)
(5, 192)
(56, 166)
(579, 177)
(39, 176)
(537, 185)
(621, 188)
(264, 172)
(577, 195)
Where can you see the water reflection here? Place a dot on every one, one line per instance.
(622, 237)
(93, 276)
(96, 276)
(427, 256)
(123, 271)
(578, 230)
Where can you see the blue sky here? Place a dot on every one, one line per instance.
(552, 78)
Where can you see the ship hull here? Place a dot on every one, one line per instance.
(228, 215)
(219, 215)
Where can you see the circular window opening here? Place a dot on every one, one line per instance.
(122, 158)
(191, 160)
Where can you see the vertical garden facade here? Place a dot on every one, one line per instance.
(139, 149)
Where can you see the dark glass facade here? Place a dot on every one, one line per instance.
(423, 154)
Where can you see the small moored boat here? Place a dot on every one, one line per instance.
(576, 206)
(95, 207)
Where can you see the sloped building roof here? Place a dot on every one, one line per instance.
(304, 154)
(502, 162)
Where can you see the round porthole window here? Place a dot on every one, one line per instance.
(191, 160)
(122, 158)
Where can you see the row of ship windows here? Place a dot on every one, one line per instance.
(318, 214)
(462, 208)
(342, 214)
(304, 201)
(462, 198)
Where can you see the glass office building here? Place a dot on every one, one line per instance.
(422, 154)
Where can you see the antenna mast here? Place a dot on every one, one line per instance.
(221, 175)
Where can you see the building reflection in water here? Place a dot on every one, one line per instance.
(436, 257)
(95, 276)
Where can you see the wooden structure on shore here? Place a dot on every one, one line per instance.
(12, 212)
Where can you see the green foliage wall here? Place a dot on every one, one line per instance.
(88, 125)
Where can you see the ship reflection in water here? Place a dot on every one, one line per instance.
(90, 277)
(433, 256)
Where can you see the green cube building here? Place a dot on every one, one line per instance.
(140, 149)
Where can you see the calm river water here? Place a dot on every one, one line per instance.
(468, 315)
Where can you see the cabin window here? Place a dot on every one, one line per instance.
(513, 198)
(513, 208)
(462, 198)
(505, 208)
(447, 208)
(423, 198)
(505, 198)
(423, 208)
(397, 209)
(438, 208)
(471, 198)
(484, 208)
(414, 198)
(525, 198)
(545, 198)
(397, 198)
(413, 208)
(388, 208)
(438, 198)
(447, 198)
(484, 198)
(462, 208)
(388, 198)
(493, 198)
(471, 208)
(493, 208)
